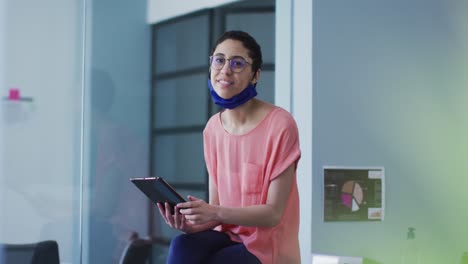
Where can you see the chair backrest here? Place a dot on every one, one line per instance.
(44, 252)
(137, 251)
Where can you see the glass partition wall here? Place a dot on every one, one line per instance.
(41, 93)
(74, 127)
(116, 122)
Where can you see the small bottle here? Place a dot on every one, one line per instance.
(410, 253)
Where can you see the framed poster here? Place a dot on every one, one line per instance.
(353, 193)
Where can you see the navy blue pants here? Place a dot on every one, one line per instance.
(208, 247)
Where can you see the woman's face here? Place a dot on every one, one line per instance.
(226, 82)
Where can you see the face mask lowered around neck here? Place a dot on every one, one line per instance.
(248, 93)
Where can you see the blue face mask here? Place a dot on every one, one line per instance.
(248, 93)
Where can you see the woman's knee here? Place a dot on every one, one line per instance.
(182, 241)
(188, 248)
(181, 247)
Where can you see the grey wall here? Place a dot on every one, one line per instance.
(391, 89)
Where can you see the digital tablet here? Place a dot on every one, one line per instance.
(158, 191)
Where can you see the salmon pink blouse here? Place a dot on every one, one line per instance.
(242, 168)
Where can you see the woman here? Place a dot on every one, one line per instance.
(251, 151)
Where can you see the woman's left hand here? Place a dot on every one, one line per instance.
(197, 211)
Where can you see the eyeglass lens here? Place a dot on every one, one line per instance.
(236, 64)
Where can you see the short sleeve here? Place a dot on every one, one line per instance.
(285, 145)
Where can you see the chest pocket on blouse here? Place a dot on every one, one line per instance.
(251, 178)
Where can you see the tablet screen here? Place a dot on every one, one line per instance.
(158, 190)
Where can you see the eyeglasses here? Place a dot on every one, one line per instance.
(237, 64)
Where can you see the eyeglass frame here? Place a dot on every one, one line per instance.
(230, 65)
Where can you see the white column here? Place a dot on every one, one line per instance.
(293, 91)
(302, 111)
(283, 54)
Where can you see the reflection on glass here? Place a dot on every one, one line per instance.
(175, 44)
(116, 211)
(171, 149)
(181, 101)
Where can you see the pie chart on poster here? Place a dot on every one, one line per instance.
(352, 195)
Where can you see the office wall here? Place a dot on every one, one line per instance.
(391, 89)
(41, 55)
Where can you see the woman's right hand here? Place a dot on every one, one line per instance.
(176, 220)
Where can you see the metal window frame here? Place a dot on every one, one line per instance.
(155, 77)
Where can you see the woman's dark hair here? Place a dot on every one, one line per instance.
(255, 52)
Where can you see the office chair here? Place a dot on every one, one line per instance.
(137, 251)
(43, 252)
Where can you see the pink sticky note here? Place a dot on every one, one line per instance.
(14, 94)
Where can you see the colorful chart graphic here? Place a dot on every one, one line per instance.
(352, 195)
